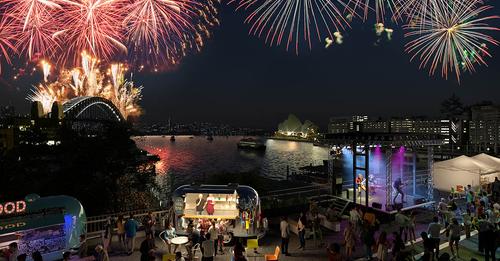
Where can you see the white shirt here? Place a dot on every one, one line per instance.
(208, 248)
(285, 230)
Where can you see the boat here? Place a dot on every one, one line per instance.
(251, 143)
(210, 138)
(172, 138)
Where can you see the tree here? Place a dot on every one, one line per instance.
(452, 107)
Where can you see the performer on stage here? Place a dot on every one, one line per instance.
(360, 182)
(398, 186)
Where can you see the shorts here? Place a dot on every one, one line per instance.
(454, 240)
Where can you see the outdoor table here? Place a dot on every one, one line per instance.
(179, 240)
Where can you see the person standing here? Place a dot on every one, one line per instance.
(368, 240)
(398, 186)
(212, 231)
(210, 205)
(398, 246)
(208, 248)
(200, 204)
(82, 248)
(428, 245)
(285, 235)
(403, 221)
(108, 234)
(349, 240)
(454, 229)
(301, 227)
(354, 218)
(495, 189)
(434, 232)
(120, 231)
(149, 223)
(382, 246)
(131, 227)
(220, 236)
(411, 227)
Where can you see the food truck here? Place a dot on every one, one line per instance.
(50, 225)
(233, 206)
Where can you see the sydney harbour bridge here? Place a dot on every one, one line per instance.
(88, 108)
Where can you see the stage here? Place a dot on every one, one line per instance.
(376, 200)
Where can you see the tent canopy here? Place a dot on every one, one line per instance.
(465, 170)
(488, 160)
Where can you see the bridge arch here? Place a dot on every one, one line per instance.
(92, 108)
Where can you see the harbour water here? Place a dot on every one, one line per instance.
(191, 158)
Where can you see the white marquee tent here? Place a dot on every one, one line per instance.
(465, 170)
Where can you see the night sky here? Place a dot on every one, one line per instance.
(239, 80)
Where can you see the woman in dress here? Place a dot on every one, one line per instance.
(210, 208)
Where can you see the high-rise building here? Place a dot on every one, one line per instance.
(339, 125)
(484, 127)
(449, 129)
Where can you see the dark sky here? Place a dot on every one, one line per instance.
(239, 80)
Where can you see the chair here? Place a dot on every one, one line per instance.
(163, 237)
(196, 248)
(252, 246)
(275, 256)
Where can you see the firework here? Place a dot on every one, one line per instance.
(155, 27)
(291, 21)
(451, 36)
(91, 25)
(32, 24)
(46, 70)
(47, 94)
(379, 6)
(124, 94)
(6, 43)
(411, 10)
(90, 80)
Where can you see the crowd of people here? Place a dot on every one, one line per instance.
(475, 211)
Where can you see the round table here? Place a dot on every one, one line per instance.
(179, 240)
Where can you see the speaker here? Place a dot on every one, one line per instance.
(420, 201)
(377, 205)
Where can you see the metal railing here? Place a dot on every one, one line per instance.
(97, 224)
(297, 192)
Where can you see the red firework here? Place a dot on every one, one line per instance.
(33, 23)
(94, 26)
(6, 42)
(154, 28)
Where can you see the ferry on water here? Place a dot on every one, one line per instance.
(251, 143)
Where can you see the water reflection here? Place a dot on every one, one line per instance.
(194, 158)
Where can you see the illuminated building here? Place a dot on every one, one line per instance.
(485, 127)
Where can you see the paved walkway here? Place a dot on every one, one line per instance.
(317, 250)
